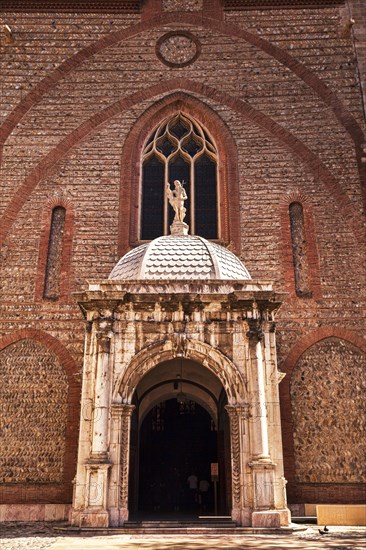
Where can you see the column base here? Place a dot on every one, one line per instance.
(271, 518)
(94, 519)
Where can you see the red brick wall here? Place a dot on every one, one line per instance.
(284, 84)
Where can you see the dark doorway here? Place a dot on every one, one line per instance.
(178, 440)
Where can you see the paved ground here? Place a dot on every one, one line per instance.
(40, 536)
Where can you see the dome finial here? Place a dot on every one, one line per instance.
(176, 199)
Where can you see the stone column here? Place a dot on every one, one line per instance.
(259, 424)
(100, 439)
(261, 464)
(95, 513)
(238, 415)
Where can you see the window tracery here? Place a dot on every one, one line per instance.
(179, 148)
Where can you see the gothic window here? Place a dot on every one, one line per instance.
(54, 255)
(179, 149)
(299, 250)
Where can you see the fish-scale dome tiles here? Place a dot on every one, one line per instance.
(179, 257)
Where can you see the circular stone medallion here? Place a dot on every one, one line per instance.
(178, 48)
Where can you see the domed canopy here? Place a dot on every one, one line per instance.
(179, 257)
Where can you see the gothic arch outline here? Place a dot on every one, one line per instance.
(228, 196)
(313, 338)
(209, 357)
(327, 95)
(48, 164)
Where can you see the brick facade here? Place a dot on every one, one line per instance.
(280, 89)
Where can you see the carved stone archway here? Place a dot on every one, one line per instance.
(228, 327)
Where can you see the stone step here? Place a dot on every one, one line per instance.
(193, 529)
(181, 524)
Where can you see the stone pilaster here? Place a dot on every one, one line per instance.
(100, 436)
(268, 496)
(93, 454)
(259, 422)
(239, 415)
(125, 418)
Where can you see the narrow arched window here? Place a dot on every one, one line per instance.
(299, 250)
(179, 149)
(51, 289)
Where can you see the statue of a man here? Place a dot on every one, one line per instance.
(176, 199)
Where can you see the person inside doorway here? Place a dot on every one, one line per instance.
(192, 482)
(203, 488)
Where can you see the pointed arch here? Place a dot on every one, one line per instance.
(228, 185)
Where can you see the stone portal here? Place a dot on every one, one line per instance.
(180, 314)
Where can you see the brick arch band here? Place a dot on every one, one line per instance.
(285, 399)
(52, 492)
(330, 98)
(131, 162)
(48, 165)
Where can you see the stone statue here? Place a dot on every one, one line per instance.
(176, 199)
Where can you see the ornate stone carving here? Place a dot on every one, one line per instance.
(125, 411)
(179, 342)
(178, 48)
(255, 330)
(236, 413)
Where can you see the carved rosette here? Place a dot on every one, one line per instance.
(178, 48)
(125, 411)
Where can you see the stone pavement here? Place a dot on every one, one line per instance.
(41, 536)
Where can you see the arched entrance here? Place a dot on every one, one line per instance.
(179, 428)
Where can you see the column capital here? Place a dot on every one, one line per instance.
(121, 409)
(104, 324)
(255, 330)
(239, 411)
(269, 326)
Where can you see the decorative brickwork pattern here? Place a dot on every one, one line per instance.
(183, 5)
(328, 387)
(33, 394)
